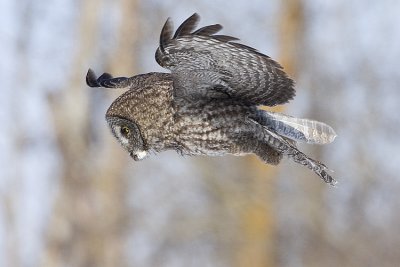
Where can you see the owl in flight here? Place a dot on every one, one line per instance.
(208, 104)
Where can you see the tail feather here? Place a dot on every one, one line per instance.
(302, 130)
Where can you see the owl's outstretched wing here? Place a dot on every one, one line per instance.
(204, 64)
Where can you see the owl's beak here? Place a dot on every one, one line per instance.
(134, 156)
(138, 155)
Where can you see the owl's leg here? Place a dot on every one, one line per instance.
(280, 145)
(267, 154)
(251, 140)
(105, 80)
(286, 148)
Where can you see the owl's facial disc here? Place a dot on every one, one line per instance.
(129, 136)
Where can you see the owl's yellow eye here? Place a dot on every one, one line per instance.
(125, 131)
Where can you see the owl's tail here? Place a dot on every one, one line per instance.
(286, 148)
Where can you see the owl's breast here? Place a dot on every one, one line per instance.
(210, 127)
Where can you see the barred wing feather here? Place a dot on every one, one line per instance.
(205, 64)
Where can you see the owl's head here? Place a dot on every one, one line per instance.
(128, 134)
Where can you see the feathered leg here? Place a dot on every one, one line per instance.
(286, 148)
(266, 153)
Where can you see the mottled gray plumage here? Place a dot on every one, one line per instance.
(207, 105)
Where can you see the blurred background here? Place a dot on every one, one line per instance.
(70, 195)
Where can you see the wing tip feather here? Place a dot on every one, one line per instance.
(166, 33)
(187, 26)
(91, 79)
(208, 30)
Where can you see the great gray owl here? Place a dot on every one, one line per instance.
(208, 104)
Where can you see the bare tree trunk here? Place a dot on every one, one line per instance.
(290, 34)
(257, 218)
(259, 232)
(87, 227)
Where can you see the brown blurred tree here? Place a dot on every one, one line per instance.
(257, 215)
(87, 227)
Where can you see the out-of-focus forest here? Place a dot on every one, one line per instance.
(70, 195)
